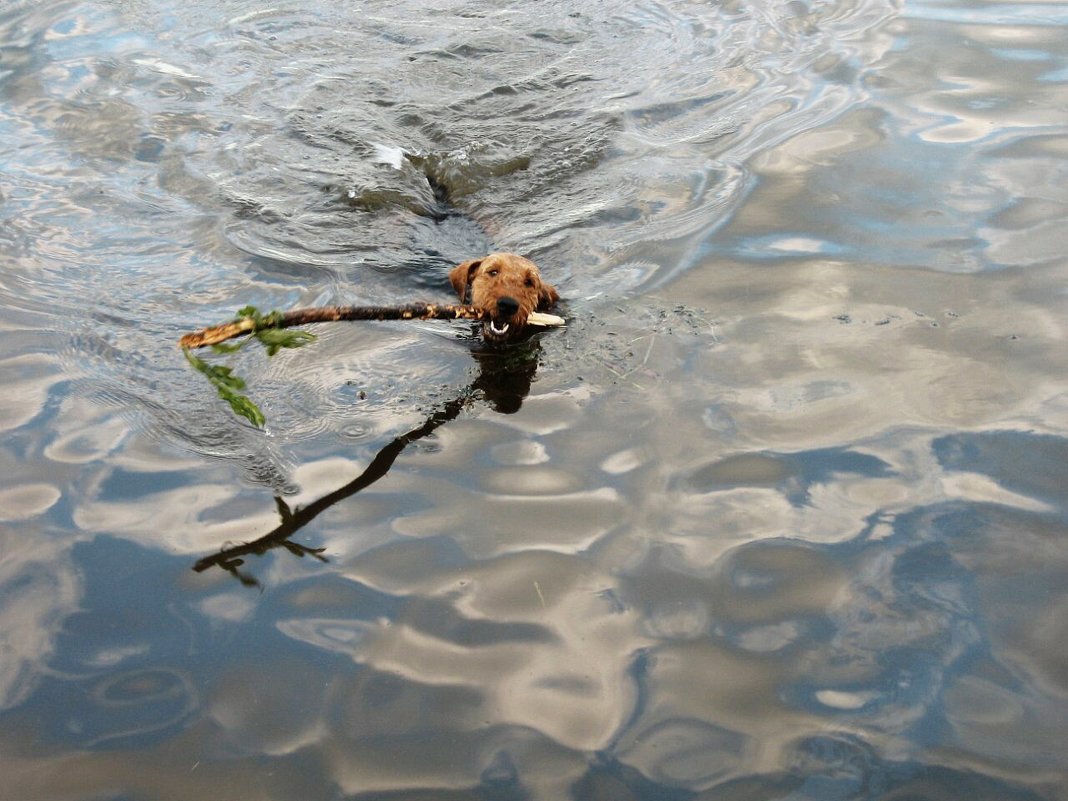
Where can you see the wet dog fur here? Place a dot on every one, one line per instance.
(508, 286)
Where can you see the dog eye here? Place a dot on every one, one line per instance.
(529, 281)
(493, 273)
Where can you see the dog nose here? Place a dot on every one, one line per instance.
(507, 306)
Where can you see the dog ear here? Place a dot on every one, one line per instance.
(460, 277)
(548, 296)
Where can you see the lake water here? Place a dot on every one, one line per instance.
(782, 513)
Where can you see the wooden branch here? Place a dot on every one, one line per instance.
(327, 314)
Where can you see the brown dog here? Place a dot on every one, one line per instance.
(508, 286)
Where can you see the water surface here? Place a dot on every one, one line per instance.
(781, 514)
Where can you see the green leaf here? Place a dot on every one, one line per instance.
(275, 338)
(221, 376)
(225, 383)
(272, 338)
(222, 347)
(242, 406)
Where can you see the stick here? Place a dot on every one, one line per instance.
(327, 314)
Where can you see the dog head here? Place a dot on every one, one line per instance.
(507, 286)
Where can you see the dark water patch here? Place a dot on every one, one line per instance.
(841, 767)
(1032, 464)
(793, 474)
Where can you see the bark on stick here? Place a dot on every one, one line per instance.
(326, 314)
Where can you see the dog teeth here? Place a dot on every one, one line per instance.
(498, 329)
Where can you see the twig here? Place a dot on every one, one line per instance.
(325, 314)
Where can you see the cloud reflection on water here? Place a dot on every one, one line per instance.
(807, 543)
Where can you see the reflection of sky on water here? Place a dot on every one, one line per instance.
(802, 538)
(914, 623)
